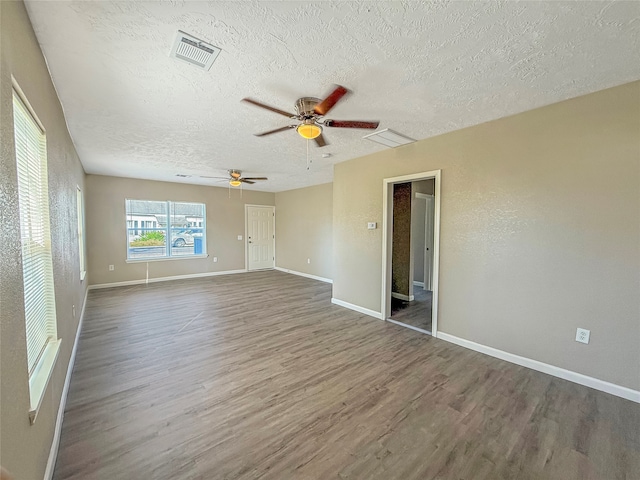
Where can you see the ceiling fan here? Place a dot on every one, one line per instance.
(236, 179)
(309, 113)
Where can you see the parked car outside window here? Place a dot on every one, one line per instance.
(185, 237)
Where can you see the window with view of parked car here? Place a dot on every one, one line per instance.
(164, 229)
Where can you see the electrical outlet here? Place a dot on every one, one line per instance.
(582, 335)
(111, 268)
(239, 237)
(308, 260)
(215, 259)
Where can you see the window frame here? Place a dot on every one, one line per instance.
(40, 318)
(82, 246)
(138, 226)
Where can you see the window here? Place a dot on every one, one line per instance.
(35, 236)
(163, 229)
(81, 241)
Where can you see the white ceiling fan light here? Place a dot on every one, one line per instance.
(235, 178)
(310, 112)
(194, 51)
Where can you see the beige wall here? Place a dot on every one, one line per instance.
(106, 227)
(540, 231)
(24, 448)
(304, 224)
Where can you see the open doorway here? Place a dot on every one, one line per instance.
(410, 250)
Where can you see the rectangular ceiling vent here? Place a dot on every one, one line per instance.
(389, 138)
(193, 50)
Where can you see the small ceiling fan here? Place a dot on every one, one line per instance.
(236, 179)
(310, 112)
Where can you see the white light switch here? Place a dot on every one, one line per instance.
(371, 225)
(239, 237)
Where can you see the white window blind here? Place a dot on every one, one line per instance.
(33, 200)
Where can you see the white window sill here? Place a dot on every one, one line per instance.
(164, 259)
(40, 377)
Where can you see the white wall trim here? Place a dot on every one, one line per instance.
(351, 306)
(575, 377)
(418, 284)
(400, 296)
(307, 275)
(163, 279)
(55, 444)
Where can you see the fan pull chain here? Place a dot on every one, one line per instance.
(308, 161)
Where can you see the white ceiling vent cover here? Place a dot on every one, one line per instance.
(193, 50)
(389, 138)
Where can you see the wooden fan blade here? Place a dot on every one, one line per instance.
(255, 178)
(327, 104)
(281, 129)
(320, 140)
(273, 109)
(350, 124)
(244, 180)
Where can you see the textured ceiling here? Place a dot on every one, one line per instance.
(420, 68)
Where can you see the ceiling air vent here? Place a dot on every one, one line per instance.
(195, 51)
(389, 138)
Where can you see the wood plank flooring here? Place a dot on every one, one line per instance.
(416, 313)
(259, 376)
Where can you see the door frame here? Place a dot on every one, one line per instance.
(246, 233)
(387, 238)
(428, 232)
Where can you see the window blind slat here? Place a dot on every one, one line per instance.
(33, 204)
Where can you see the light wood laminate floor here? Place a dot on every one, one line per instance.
(259, 376)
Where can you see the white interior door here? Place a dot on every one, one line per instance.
(260, 237)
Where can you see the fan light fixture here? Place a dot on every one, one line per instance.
(235, 183)
(309, 130)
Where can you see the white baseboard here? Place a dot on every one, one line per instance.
(351, 306)
(418, 284)
(575, 377)
(400, 296)
(307, 275)
(163, 279)
(55, 444)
